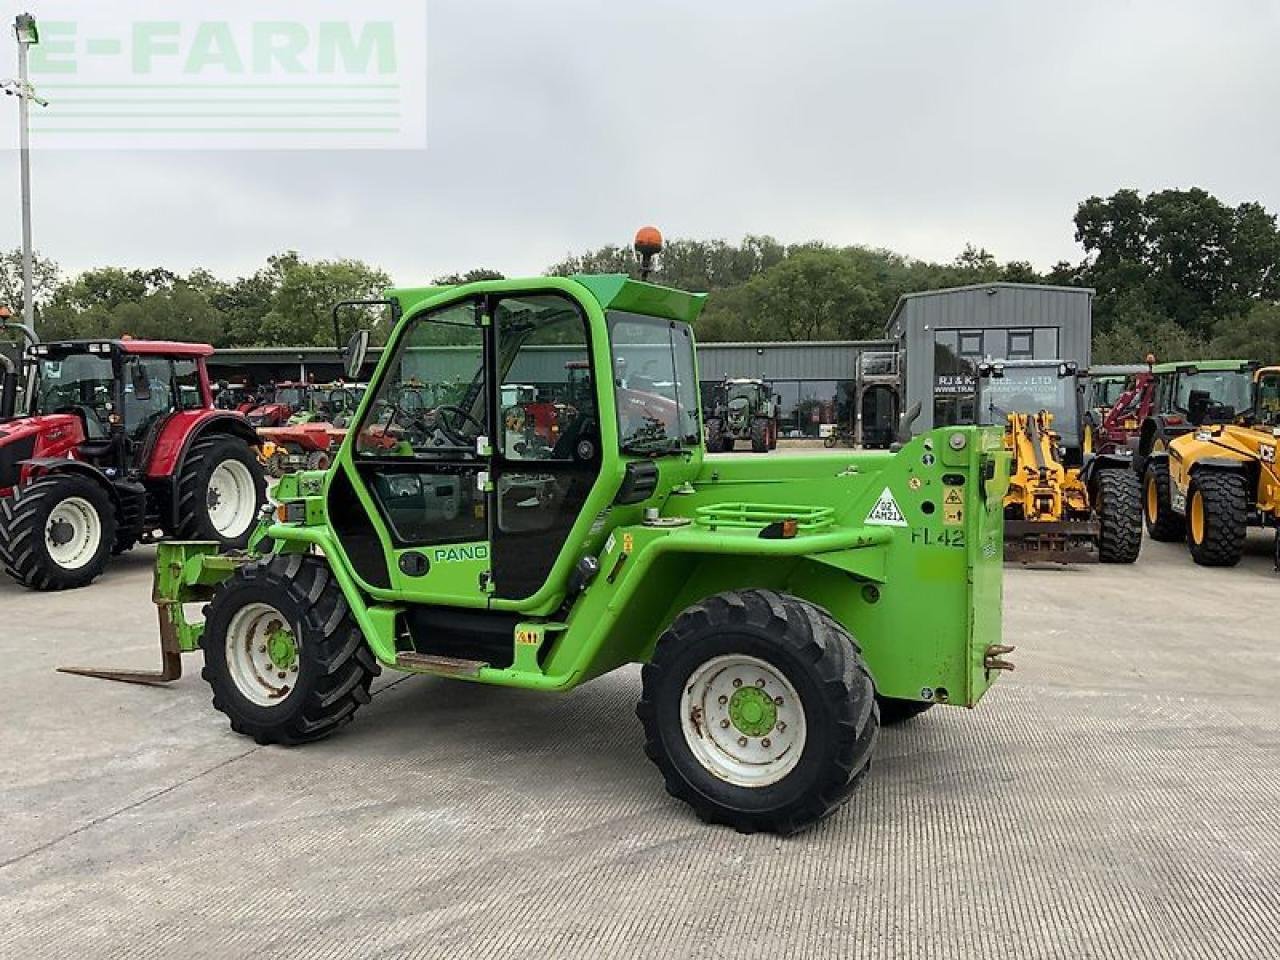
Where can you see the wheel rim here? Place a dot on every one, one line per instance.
(73, 533)
(1196, 517)
(743, 720)
(232, 499)
(262, 654)
(1153, 499)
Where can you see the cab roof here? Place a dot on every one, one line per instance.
(613, 291)
(1208, 366)
(144, 348)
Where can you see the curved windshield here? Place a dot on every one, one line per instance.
(655, 388)
(75, 381)
(1228, 388)
(1030, 390)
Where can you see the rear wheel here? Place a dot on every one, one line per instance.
(220, 491)
(1157, 510)
(1217, 518)
(759, 712)
(57, 533)
(284, 657)
(1118, 502)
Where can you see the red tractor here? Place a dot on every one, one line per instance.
(118, 442)
(282, 401)
(1116, 426)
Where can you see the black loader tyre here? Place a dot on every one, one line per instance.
(822, 663)
(24, 521)
(894, 711)
(335, 664)
(1157, 510)
(1118, 497)
(759, 435)
(204, 457)
(1225, 503)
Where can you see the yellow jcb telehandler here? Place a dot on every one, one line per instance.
(1065, 503)
(1223, 475)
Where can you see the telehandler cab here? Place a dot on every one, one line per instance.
(1223, 476)
(1065, 502)
(783, 607)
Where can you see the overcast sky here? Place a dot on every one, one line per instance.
(560, 126)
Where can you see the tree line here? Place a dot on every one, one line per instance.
(1177, 272)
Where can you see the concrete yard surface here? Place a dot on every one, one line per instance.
(1116, 797)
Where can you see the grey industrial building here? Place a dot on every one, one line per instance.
(933, 341)
(943, 335)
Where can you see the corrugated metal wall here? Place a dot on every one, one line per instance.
(918, 317)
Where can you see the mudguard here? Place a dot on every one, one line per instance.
(50, 466)
(180, 431)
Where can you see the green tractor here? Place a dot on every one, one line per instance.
(743, 410)
(783, 608)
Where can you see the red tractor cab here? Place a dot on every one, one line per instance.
(118, 442)
(282, 402)
(239, 397)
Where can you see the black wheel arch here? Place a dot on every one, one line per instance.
(1249, 469)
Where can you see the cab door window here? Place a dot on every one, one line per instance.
(416, 448)
(547, 454)
(148, 394)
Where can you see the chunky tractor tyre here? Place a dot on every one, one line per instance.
(220, 491)
(1157, 510)
(894, 711)
(759, 712)
(57, 532)
(319, 460)
(1217, 518)
(715, 435)
(282, 652)
(760, 435)
(1118, 501)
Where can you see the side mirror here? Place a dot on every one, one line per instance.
(141, 383)
(906, 419)
(354, 355)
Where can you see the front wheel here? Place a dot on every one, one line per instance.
(1217, 518)
(57, 533)
(1118, 504)
(221, 489)
(284, 657)
(760, 435)
(759, 712)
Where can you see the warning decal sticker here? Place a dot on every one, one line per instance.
(886, 513)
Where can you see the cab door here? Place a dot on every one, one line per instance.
(546, 455)
(414, 518)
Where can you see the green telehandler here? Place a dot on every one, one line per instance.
(783, 608)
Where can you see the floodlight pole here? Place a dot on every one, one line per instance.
(24, 163)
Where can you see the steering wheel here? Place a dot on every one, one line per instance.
(453, 434)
